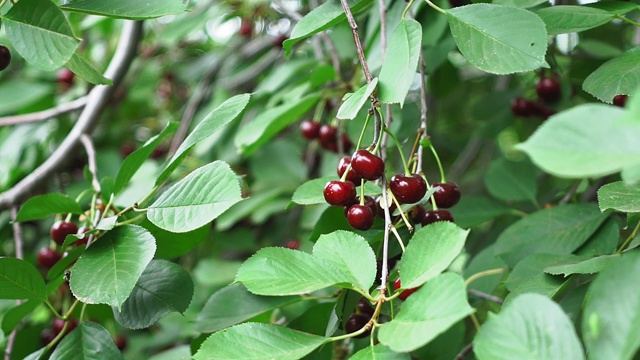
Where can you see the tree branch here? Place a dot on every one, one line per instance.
(96, 101)
(44, 114)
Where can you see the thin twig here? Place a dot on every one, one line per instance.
(464, 352)
(356, 39)
(44, 114)
(17, 238)
(91, 160)
(96, 101)
(423, 110)
(485, 296)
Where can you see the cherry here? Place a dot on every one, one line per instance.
(310, 129)
(360, 217)
(84, 240)
(371, 204)
(5, 57)
(121, 342)
(447, 195)
(47, 336)
(357, 322)
(65, 77)
(549, 89)
(246, 28)
(368, 165)
(292, 244)
(432, 216)
(406, 293)
(47, 257)
(408, 189)
(279, 40)
(126, 149)
(365, 307)
(417, 213)
(160, 151)
(522, 107)
(58, 325)
(61, 229)
(339, 193)
(346, 143)
(380, 209)
(327, 134)
(620, 100)
(353, 175)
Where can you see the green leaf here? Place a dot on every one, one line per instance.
(321, 18)
(615, 7)
(162, 288)
(530, 327)
(339, 258)
(83, 68)
(352, 105)
(400, 61)
(473, 210)
(558, 230)
(520, 3)
(234, 304)
(428, 312)
(14, 316)
(581, 266)
(88, 341)
(270, 122)
(430, 251)
(619, 196)
(612, 310)
(172, 245)
(258, 341)
(42, 206)
(40, 33)
(108, 270)
(528, 275)
(211, 124)
(570, 144)
(484, 34)
(508, 180)
(379, 352)
(197, 199)
(124, 9)
(620, 75)
(572, 18)
(311, 192)
(132, 163)
(20, 280)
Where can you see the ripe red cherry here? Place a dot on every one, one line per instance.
(522, 107)
(65, 77)
(58, 325)
(61, 229)
(417, 213)
(339, 193)
(408, 189)
(121, 342)
(447, 195)
(246, 28)
(310, 129)
(47, 257)
(5, 57)
(353, 175)
(47, 336)
(364, 306)
(327, 134)
(360, 217)
(84, 240)
(620, 100)
(549, 89)
(292, 244)
(406, 293)
(432, 216)
(368, 165)
(357, 322)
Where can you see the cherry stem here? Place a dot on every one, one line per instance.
(629, 238)
(317, 114)
(482, 274)
(364, 128)
(379, 124)
(443, 178)
(395, 232)
(404, 218)
(395, 140)
(53, 309)
(385, 243)
(435, 7)
(406, 9)
(361, 191)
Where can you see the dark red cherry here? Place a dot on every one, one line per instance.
(620, 100)
(5, 57)
(65, 77)
(61, 229)
(47, 257)
(417, 213)
(47, 336)
(447, 195)
(406, 293)
(408, 189)
(339, 193)
(279, 40)
(549, 89)
(292, 244)
(327, 134)
(357, 322)
(364, 306)
(380, 209)
(368, 165)
(360, 217)
(346, 143)
(246, 28)
(121, 342)
(310, 129)
(432, 216)
(84, 240)
(522, 107)
(371, 204)
(353, 175)
(58, 325)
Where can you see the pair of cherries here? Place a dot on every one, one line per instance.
(47, 257)
(326, 134)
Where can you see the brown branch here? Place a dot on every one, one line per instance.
(464, 352)
(356, 39)
(96, 101)
(423, 110)
(17, 238)
(61, 109)
(485, 296)
(91, 161)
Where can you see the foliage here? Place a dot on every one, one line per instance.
(205, 231)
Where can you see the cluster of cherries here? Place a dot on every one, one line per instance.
(548, 90)
(48, 256)
(326, 134)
